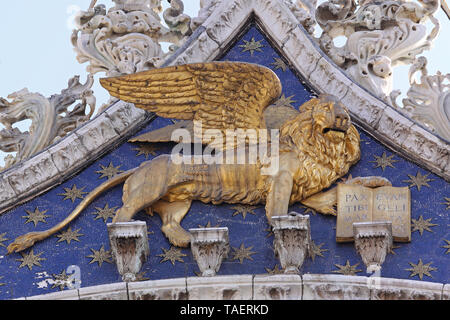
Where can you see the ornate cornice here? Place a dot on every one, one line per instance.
(260, 287)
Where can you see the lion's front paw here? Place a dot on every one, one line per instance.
(371, 182)
(328, 210)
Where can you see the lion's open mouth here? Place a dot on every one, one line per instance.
(335, 130)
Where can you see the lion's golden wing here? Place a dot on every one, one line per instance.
(222, 95)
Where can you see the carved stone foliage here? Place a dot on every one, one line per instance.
(380, 35)
(126, 38)
(428, 100)
(51, 118)
(209, 247)
(292, 240)
(304, 11)
(373, 241)
(206, 9)
(129, 245)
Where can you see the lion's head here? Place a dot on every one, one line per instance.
(326, 142)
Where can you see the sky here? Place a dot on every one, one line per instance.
(37, 53)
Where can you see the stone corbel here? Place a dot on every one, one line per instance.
(129, 246)
(292, 240)
(209, 247)
(373, 241)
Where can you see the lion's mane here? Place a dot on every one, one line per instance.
(323, 161)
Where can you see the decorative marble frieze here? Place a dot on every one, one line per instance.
(335, 287)
(304, 11)
(168, 289)
(260, 287)
(277, 287)
(237, 287)
(111, 291)
(399, 289)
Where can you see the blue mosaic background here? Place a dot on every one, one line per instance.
(248, 231)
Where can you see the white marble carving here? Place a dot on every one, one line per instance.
(126, 38)
(260, 287)
(428, 100)
(401, 289)
(380, 35)
(209, 247)
(236, 287)
(304, 11)
(167, 289)
(335, 287)
(373, 241)
(292, 240)
(51, 118)
(129, 246)
(277, 287)
(207, 7)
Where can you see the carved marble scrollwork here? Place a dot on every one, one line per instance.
(51, 118)
(380, 35)
(304, 11)
(126, 38)
(428, 101)
(206, 9)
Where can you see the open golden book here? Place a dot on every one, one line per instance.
(361, 204)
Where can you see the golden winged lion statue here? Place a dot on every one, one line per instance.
(317, 145)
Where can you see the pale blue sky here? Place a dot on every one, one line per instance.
(37, 53)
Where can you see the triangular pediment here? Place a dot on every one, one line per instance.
(208, 42)
(49, 181)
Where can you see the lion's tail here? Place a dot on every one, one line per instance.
(29, 239)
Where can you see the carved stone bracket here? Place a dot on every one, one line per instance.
(129, 246)
(209, 247)
(373, 241)
(292, 240)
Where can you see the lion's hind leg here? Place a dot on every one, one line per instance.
(171, 214)
(144, 188)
